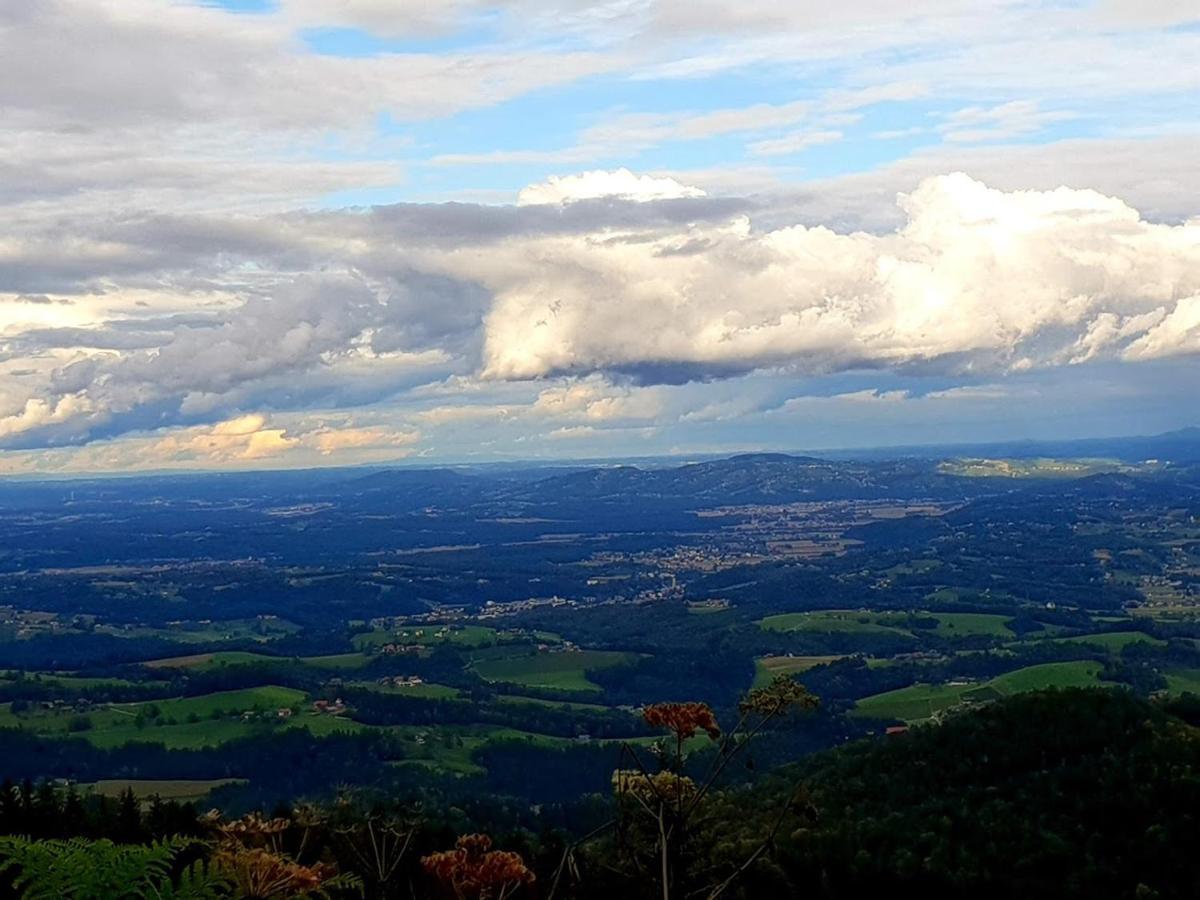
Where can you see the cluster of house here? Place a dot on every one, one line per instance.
(401, 681)
(495, 608)
(256, 715)
(564, 647)
(394, 649)
(329, 707)
(80, 705)
(711, 603)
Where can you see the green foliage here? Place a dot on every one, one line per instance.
(100, 870)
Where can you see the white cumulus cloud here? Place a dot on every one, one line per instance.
(976, 277)
(621, 184)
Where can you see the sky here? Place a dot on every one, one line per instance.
(286, 233)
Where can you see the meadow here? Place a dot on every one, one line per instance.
(564, 671)
(922, 701)
(1113, 641)
(767, 668)
(950, 625)
(846, 621)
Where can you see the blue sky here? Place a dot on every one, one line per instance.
(263, 234)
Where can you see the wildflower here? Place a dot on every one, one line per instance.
(474, 871)
(684, 719)
(660, 787)
(256, 872)
(779, 696)
(253, 830)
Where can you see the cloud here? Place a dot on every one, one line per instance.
(975, 124)
(597, 400)
(617, 282)
(796, 142)
(330, 441)
(975, 278)
(250, 440)
(315, 336)
(621, 184)
(1177, 332)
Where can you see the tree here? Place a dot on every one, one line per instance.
(129, 818)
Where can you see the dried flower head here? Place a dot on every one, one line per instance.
(252, 826)
(781, 695)
(256, 872)
(661, 787)
(683, 719)
(474, 871)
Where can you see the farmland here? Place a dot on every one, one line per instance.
(384, 635)
(921, 701)
(768, 667)
(566, 670)
(1114, 641)
(837, 621)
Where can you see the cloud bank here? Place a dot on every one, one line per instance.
(612, 277)
(976, 278)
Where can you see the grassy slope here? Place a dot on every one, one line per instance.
(920, 701)
(561, 671)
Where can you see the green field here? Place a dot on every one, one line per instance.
(259, 630)
(68, 682)
(450, 748)
(952, 625)
(1183, 681)
(767, 667)
(337, 661)
(518, 700)
(424, 691)
(203, 662)
(840, 621)
(895, 624)
(564, 671)
(177, 723)
(920, 701)
(459, 635)
(1113, 641)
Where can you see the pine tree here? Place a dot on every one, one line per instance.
(129, 818)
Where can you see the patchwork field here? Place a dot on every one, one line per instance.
(178, 723)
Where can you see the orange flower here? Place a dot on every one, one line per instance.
(474, 870)
(684, 719)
